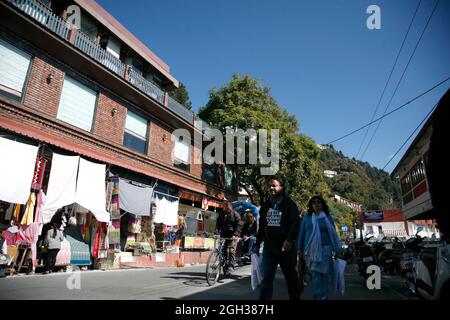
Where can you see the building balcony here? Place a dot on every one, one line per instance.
(72, 35)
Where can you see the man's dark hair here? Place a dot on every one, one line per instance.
(279, 179)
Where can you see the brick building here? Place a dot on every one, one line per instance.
(73, 80)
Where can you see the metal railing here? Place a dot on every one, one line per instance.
(43, 15)
(179, 109)
(146, 86)
(92, 49)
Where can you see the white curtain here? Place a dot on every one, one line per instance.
(17, 162)
(91, 189)
(135, 199)
(61, 189)
(171, 213)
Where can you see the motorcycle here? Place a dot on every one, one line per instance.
(409, 256)
(364, 257)
(431, 278)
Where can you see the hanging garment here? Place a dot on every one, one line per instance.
(91, 192)
(38, 175)
(16, 214)
(109, 191)
(9, 212)
(17, 162)
(30, 234)
(61, 189)
(134, 199)
(171, 214)
(27, 218)
(114, 234)
(115, 206)
(41, 197)
(161, 208)
(64, 254)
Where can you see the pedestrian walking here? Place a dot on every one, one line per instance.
(316, 242)
(53, 241)
(278, 226)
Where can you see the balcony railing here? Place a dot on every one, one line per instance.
(44, 16)
(146, 86)
(179, 109)
(92, 49)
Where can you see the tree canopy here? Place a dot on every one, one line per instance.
(181, 95)
(245, 104)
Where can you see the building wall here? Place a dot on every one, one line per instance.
(35, 117)
(42, 94)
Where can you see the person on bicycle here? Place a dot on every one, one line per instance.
(228, 226)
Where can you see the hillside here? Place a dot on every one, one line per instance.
(360, 182)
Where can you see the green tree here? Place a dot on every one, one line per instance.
(243, 103)
(181, 95)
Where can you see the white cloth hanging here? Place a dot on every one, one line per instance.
(17, 163)
(91, 189)
(135, 199)
(161, 208)
(61, 190)
(171, 213)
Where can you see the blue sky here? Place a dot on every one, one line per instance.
(319, 58)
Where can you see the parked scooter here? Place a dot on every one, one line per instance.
(364, 257)
(431, 279)
(389, 259)
(410, 255)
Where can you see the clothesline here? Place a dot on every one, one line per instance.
(164, 194)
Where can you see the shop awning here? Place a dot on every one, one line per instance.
(193, 196)
(17, 162)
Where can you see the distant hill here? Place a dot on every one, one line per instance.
(359, 181)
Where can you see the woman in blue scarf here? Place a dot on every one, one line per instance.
(316, 242)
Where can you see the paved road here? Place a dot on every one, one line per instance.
(176, 283)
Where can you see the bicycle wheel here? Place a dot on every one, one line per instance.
(213, 268)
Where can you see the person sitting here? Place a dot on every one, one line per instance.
(248, 234)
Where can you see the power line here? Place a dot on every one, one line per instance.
(389, 78)
(390, 112)
(401, 78)
(419, 126)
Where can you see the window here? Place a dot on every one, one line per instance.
(181, 154)
(14, 65)
(135, 136)
(417, 173)
(77, 104)
(405, 183)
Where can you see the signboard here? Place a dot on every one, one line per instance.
(344, 228)
(198, 243)
(374, 215)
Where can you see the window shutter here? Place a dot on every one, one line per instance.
(77, 104)
(14, 65)
(136, 124)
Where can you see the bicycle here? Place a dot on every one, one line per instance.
(217, 261)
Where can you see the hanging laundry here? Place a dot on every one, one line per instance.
(91, 192)
(41, 197)
(30, 234)
(16, 214)
(17, 162)
(61, 189)
(109, 191)
(161, 208)
(135, 199)
(9, 212)
(115, 206)
(171, 213)
(38, 176)
(27, 218)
